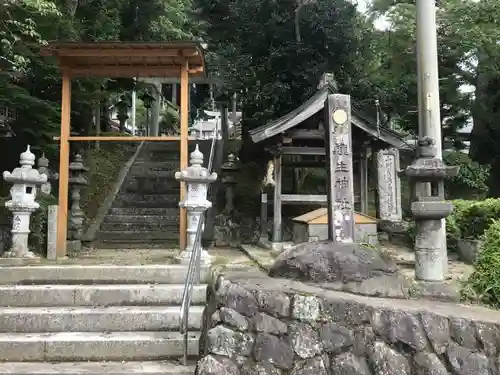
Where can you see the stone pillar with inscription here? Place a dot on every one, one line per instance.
(340, 174)
(389, 185)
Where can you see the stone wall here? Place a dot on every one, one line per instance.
(257, 325)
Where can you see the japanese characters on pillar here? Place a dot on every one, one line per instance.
(340, 174)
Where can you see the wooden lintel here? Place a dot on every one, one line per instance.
(305, 164)
(293, 150)
(128, 71)
(114, 52)
(125, 138)
(303, 198)
(307, 134)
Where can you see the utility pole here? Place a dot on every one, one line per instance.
(429, 116)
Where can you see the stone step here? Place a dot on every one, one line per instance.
(95, 346)
(138, 236)
(143, 211)
(151, 175)
(155, 166)
(171, 225)
(96, 368)
(98, 295)
(96, 319)
(147, 200)
(119, 244)
(142, 219)
(153, 185)
(97, 274)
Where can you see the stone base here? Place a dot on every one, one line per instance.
(279, 247)
(185, 257)
(74, 247)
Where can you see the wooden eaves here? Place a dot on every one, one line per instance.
(127, 60)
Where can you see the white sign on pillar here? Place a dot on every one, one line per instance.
(389, 185)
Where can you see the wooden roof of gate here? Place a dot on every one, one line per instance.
(128, 59)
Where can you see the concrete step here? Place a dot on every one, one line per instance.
(96, 368)
(139, 236)
(97, 274)
(142, 219)
(94, 346)
(147, 200)
(151, 175)
(96, 319)
(171, 225)
(143, 211)
(97, 295)
(119, 244)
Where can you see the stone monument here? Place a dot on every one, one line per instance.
(426, 178)
(197, 179)
(76, 215)
(340, 174)
(25, 181)
(389, 185)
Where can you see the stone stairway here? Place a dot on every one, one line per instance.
(95, 319)
(145, 213)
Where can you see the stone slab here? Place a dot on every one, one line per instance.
(134, 235)
(96, 319)
(98, 274)
(264, 258)
(96, 368)
(97, 295)
(89, 346)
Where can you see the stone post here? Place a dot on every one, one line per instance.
(25, 182)
(429, 209)
(389, 185)
(197, 179)
(340, 174)
(229, 170)
(76, 215)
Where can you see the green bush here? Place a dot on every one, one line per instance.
(474, 217)
(484, 283)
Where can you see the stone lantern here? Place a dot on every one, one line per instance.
(426, 179)
(229, 170)
(76, 216)
(25, 182)
(197, 179)
(122, 108)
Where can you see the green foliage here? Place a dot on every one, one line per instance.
(105, 164)
(484, 283)
(471, 181)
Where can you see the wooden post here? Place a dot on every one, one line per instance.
(62, 214)
(363, 180)
(277, 226)
(184, 147)
(263, 218)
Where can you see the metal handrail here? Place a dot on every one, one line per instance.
(193, 272)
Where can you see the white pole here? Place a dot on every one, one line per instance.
(134, 98)
(428, 93)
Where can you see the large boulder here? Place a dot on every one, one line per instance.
(329, 262)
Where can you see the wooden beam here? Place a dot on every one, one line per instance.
(129, 52)
(307, 134)
(125, 138)
(184, 148)
(304, 198)
(292, 150)
(127, 71)
(62, 213)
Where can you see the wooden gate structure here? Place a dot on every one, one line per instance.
(127, 60)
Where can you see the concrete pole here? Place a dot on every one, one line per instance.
(429, 116)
